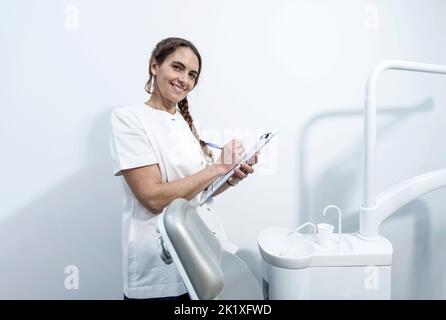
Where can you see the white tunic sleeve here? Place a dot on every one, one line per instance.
(129, 145)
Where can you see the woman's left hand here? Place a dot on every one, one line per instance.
(243, 170)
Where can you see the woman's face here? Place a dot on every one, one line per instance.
(176, 76)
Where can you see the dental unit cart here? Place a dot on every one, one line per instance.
(323, 266)
(349, 266)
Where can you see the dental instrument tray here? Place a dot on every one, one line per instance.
(212, 188)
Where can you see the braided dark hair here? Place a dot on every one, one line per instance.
(162, 50)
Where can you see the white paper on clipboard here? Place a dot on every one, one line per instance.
(209, 192)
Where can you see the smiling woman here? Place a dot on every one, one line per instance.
(174, 69)
(156, 148)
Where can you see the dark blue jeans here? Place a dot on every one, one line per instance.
(183, 297)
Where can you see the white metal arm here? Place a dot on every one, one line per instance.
(375, 210)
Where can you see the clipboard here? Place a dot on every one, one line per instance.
(213, 187)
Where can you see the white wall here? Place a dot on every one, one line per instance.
(295, 66)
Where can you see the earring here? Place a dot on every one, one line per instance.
(152, 85)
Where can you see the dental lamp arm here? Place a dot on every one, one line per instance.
(396, 197)
(370, 117)
(374, 211)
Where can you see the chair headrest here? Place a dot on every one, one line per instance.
(197, 248)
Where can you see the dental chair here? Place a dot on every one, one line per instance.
(208, 271)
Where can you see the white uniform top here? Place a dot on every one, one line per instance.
(142, 136)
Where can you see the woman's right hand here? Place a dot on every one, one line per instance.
(231, 154)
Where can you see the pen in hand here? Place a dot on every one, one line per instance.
(213, 145)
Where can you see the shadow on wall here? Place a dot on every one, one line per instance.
(413, 255)
(77, 222)
(344, 177)
(339, 185)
